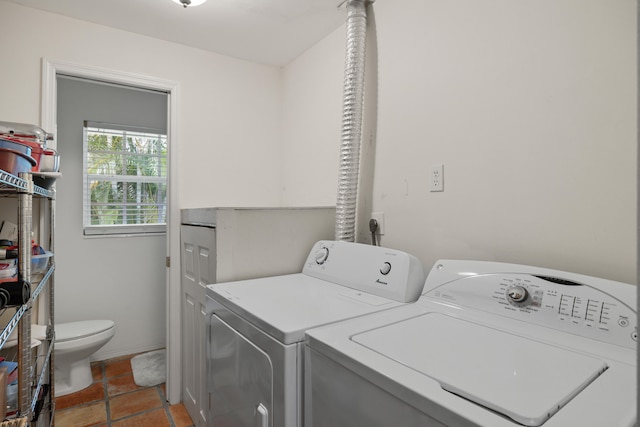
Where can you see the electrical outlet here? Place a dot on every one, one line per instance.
(436, 179)
(379, 216)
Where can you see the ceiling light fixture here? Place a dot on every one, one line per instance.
(186, 3)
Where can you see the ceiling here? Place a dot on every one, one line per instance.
(272, 32)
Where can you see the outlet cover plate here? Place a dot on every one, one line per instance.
(436, 178)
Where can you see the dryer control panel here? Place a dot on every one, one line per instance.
(586, 307)
(380, 271)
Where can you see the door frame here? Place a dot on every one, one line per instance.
(50, 69)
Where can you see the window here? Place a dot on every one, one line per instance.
(125, 179)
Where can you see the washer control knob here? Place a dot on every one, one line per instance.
(322, 255)
(386, 268)
(517, 294)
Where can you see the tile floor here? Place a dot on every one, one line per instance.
(114, 400)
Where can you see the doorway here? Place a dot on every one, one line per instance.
(169, 286)
(106, 270)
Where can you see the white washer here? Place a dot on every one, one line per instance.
(487, 344)
(256, 327)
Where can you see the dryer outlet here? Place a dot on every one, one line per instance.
(379, 216)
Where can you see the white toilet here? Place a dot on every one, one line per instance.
(75, 342)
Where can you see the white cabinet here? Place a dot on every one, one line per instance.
(198, 266)
(228, 244)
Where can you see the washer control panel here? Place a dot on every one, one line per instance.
(376, 270)
(565, 305)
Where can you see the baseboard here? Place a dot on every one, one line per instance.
(105, 355)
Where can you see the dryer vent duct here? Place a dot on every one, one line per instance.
(352, 111)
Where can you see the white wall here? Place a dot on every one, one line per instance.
(229, 133)
(230, 110)
(312, 94)
(532, 108)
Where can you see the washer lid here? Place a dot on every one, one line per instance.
(526, 380)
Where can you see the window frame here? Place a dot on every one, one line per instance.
(119, 229)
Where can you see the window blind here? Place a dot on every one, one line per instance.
(125, 179)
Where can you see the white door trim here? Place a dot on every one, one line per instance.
(51, 68)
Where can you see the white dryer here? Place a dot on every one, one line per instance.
(487, 344)
(256, 327)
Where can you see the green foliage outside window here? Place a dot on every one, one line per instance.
(126, 177)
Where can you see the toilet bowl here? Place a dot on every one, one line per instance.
(75, 342)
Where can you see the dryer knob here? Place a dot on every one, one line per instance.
(386, 268)
(517, 294)
(322, 255)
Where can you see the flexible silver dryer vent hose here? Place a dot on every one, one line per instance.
(352, 110)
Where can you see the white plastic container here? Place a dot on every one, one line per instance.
(40, 262)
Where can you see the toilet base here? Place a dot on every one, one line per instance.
(73, 377)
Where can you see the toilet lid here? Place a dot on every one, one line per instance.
(75, 330)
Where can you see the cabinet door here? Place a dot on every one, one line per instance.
(198, 246)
